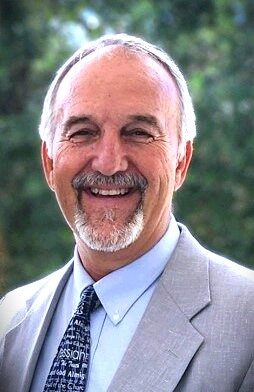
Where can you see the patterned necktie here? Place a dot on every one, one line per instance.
(70, 366)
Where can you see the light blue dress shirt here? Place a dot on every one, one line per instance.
(124, 295)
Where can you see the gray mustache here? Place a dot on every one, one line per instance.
(130, 180)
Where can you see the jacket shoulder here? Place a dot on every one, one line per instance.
(222, 270)
(227, 284)
(18, 302)
(231, 282)
(227, 268)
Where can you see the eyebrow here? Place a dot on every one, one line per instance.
(148, 119)
(73, 120)
(145, 118)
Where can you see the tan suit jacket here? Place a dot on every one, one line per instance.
(197, 333)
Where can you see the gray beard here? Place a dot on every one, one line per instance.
(118, 238)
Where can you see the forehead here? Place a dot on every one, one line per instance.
(114, 73)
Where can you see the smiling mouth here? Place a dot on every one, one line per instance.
(109, 192)
(119, 192)
(118, 186)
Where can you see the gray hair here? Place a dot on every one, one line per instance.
(187, 126)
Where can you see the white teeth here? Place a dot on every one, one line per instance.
(109, 192)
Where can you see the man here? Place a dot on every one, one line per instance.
(117, 131)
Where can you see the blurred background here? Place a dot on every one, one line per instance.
(212, 41)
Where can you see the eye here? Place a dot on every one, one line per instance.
(139, 135)
(82, 135)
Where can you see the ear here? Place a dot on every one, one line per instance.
(47, 164)
(183, 166)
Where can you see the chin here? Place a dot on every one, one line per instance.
(118, 236)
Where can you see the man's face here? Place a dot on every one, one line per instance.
(115, 154)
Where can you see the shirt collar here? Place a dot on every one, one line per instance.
(120, 289)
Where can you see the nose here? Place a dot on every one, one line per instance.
(110, 156)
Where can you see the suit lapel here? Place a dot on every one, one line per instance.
(166, 341)
(29, 335)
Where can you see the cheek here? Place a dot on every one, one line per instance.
(64, 192)
(67, 163)
(161, 167)
(65, 169)
(161, 181)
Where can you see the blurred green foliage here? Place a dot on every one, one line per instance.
(211, 40)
